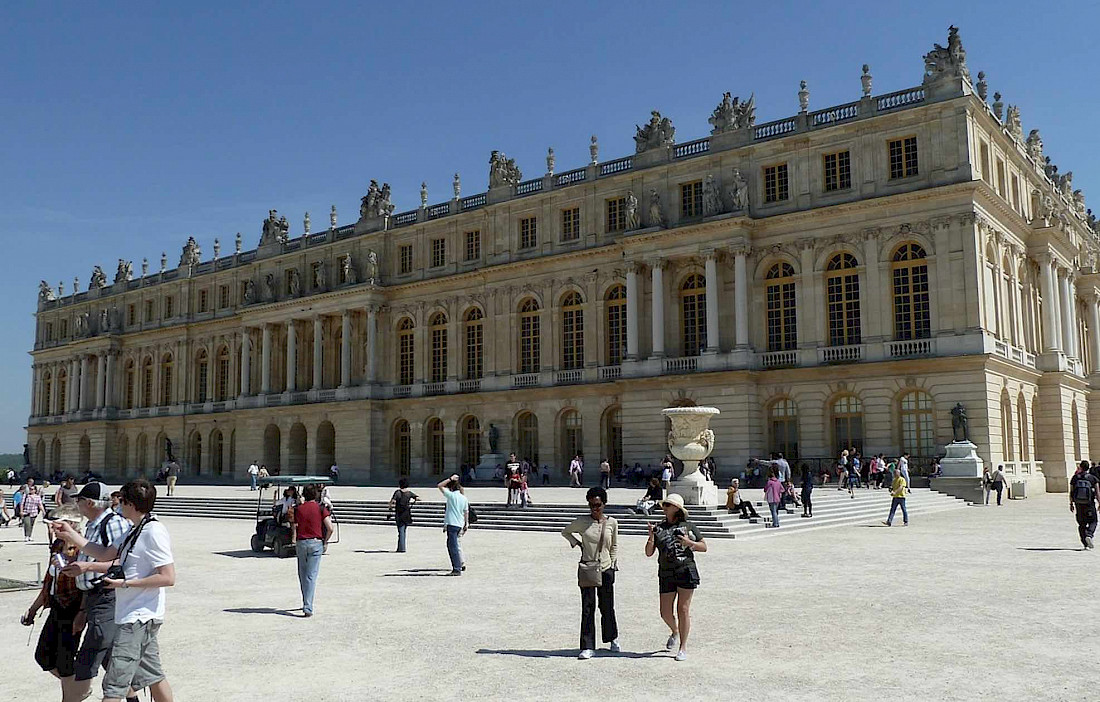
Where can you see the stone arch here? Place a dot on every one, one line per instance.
(821, 263)
(325, 448)
(891, 245)
(525, 434)
(570, 435)
(84, 457)
(435, 445)
(272, 449)
(296, 449)
(217, 457)
(611, 436)
(55, 455)
(765, 263)
(194, 452)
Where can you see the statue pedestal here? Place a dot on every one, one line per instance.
(695, 489)
(961, 461)
(488, 464)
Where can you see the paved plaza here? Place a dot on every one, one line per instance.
(974, 603)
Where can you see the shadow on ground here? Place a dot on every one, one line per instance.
(245, 553)
(564, 653)
(261, 610)
(418, 573)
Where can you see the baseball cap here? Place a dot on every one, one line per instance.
(93, 491)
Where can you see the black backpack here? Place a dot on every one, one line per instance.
(1084, 492)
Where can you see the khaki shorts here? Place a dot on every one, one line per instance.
(135, 659)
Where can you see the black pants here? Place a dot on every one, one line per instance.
(998, 486)
(608, 627)
(807, 506)
(1086, 522)
(747, 510)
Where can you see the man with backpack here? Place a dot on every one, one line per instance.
(1083, 500)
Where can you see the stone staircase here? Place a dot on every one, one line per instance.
(832, 508)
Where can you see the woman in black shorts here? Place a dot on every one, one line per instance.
(675, 541)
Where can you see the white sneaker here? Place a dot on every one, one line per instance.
(615, 648)
(673, 642)
(586, 654)
(682, 655)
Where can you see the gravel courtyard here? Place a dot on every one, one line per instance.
(977, 603)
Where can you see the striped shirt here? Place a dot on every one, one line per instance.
(117, 528)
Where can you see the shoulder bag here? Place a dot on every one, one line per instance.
(588, 572)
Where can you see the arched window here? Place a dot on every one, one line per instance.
(402, 447)
(141, 451)
(616, 324)
(1021, 423)
(475, 355)
(614, 436)
(147, 382)
(842, 299)
(780, 293)
(438, 328)
(572, 438)
(572, 331)
(527, 434)
(201, 377)
(47, 392)
(222, 387)
(529, 336)
(783, 426)
(471, 441)
(1006, 429)
(166, 380)
(405, 352)
(63, 391)
(693, 303)
(435, 445)
(131, 384)
(918, 435)
(912, 318)
(847, 413)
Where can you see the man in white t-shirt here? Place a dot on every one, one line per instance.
(147, 568)
(253, 472)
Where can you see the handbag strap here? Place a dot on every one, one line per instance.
(599, 544)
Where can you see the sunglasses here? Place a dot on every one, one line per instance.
(596, 503)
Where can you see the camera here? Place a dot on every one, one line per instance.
(115, 572)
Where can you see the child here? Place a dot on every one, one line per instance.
(524, 496)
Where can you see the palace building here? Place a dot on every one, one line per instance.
(841, 277)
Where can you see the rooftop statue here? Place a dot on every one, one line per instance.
(732, 114)
(275, 230)
(1079, 201)
(1065, 184)
(657, 133)
(45, 292)
(376, 203)
(1035, 145)
(503, 170)
(99, 279)
(946, 62)
(332, 218)
(125, 271)
(1012, 118)
(192, 254)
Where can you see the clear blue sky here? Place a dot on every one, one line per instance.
(127, 128)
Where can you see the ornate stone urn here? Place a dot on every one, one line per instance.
(691, 440)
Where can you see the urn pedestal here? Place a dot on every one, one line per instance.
(961, 471)
(691, 440)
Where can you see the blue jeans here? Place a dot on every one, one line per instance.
(774, 507)
(894, 507)
(309, 564)
(454, 550)
(401, 528)
(252, 478)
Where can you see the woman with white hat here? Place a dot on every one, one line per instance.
(676, 540)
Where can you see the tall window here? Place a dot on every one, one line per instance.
(616, 324)
(148, 311)
(169, 307)
(471, 441)
(405, 353)
(204, 300)
(147, 382)
(63, 389)
(131, 315)
(571, 224)
(439, 252)
(614, 448)
(847, 424)
(223, 296)
(838, 171)
(616, 214)
(775, 183)
(47, 391)
(783, 425)
(527, 432)
(475, 363)
(693, 303)
(201, 375)
(1021, 422)
(903, 157)
(572, 331)
(781, 304)
(166, 379)
(404, 259)
(912, 316)
(842, 299)
(691, 199)
(222, 379)
(473, 245)
(572, 439)
(918, 435)
(438, 326)
(528, 233)
(402, 447)
(1006, 429)
(435, 445)
(131, 384)
(529, 336)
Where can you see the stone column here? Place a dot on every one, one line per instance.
(1051, 341)
(741, 296)
(74, 386)
(318, 368)
(85, 390)
(51, 401)
(372, 344)
(246, 362)
(711, 266)
(265, 361)
(631, 312)
(1075, 340)
(101, 374)
(291, 357)
(1066, 309)
(658, 279)
(109, 381)
(345, 349)
(1094, 331)
(36, 390)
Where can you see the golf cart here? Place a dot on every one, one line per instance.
(274, 531)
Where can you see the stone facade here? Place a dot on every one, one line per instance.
(843, 276)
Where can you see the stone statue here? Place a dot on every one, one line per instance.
(657, 133)
(550, 161)
(168, 450)
(320, 275)
(631, 211)
(960, 425)
(125, 271)
(949, 62)
(269, 286)
(98, 281)
(423, 193)
(1050, 169)
(1042, 204)
(503, 171)
(1013, 119)
(998, 106)
(104, 321)
(76, 284)
(275, 230)
(982, 87)
(163, 261)
(61, 288)
(349, 270)
(712, 200)
(656, 217)
(1035, 145)
(26, 456)
(803, 97)
(376, 203)
(865, 81)
(1079, 201)
(284, 230)
(332, 218)
(494, 438)
(217, 248)
(249, 292)
(45, 292)
(372, 267)
(114, 319)
(305, 225)
(294, 284)
(594, 150)
(739, 192)
(144, 267)
(457, 185)
(237, 244)
(732, 114)
(192, 254)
